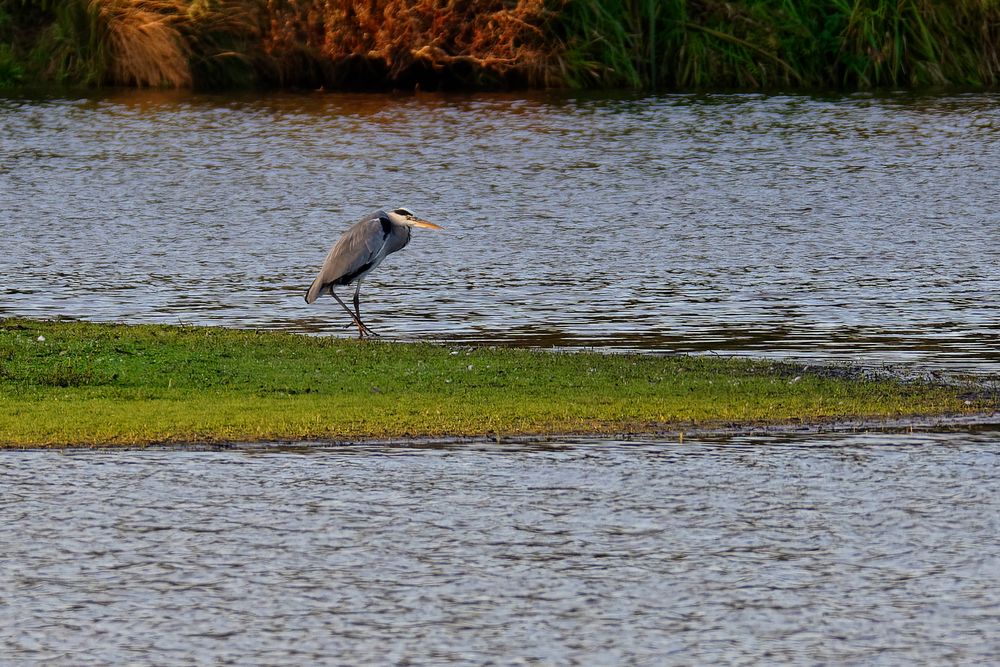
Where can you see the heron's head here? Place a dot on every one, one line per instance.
(403, 216)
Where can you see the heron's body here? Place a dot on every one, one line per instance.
(359, 251)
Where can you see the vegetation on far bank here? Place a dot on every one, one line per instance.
(747, 44)
(104, 384)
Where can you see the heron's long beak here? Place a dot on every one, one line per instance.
(423, 223)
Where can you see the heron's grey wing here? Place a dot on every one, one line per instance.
(353, 254)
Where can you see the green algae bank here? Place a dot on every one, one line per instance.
(99, 384)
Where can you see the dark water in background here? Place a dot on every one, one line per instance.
(837, 549)
(858, 228)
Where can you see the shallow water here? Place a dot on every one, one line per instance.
(838, 549)
(849, 228)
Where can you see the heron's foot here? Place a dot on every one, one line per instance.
(363, 329)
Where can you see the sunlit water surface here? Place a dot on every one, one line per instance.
(836, 549)
(852, 228)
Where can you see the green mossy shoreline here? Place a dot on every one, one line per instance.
(86, 384)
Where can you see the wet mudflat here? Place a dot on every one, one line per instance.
(844, 228)
(838, 548)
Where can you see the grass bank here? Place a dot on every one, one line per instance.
(103, 384)
(746, 44)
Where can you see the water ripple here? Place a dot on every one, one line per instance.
(851, 548)
(851, 228)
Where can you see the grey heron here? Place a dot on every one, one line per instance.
(359, 251)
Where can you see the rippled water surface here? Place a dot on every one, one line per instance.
(845, 228)
(856, 228)
(843, 549)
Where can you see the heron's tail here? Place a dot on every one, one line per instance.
(314, 290)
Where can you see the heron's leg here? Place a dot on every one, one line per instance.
(357, 310)
(349, 312)
(362, 327)
(357, 306)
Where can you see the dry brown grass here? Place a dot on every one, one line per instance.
(469, 41)
(158, 42)
(367, 43)
(143, 42)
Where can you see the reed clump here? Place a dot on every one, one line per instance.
(154, 43)
(428, 42)
(673, 44)
(853, 44)
(142, 41)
